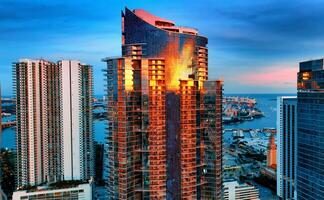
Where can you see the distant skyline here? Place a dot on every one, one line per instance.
(255, 47)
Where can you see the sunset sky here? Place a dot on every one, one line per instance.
(254, 46)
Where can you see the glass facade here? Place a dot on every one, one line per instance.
(310, 166)
(286, 147)
(164, 130)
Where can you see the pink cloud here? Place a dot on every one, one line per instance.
(274, 75)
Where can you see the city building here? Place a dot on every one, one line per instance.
(235, 191)
(54, 121)
(76, 114)
(3, 196)
(99, 163)
(100, 192)
(164, 116)
(310, 138)
(270, 169)
(287, 147)
(59, 191)
(272, 153)
(269, 172)
(0, 128)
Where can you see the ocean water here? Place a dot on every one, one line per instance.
(8, 138)
(100, 130)
(266, 102)
(9, 141)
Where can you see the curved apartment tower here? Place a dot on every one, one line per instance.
(54, 121)
(164, 129)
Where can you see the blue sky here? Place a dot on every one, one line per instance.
(255, 46)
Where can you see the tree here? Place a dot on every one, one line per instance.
(8, 171)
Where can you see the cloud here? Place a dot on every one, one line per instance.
(274, 29)
(245, 36)
(276, 76)
(54, 30)
(22, 20)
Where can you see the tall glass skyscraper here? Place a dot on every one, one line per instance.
(164, 117)
(310, 112)
(286, 147)
(54, 121)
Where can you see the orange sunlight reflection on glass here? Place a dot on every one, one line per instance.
(178, 64)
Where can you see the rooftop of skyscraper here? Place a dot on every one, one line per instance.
(164, 24)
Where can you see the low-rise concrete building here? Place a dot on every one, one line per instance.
(72, 191)
(235, 191)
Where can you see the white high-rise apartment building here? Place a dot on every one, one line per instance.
(286, 147)
(76, 81)
(54, 121)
